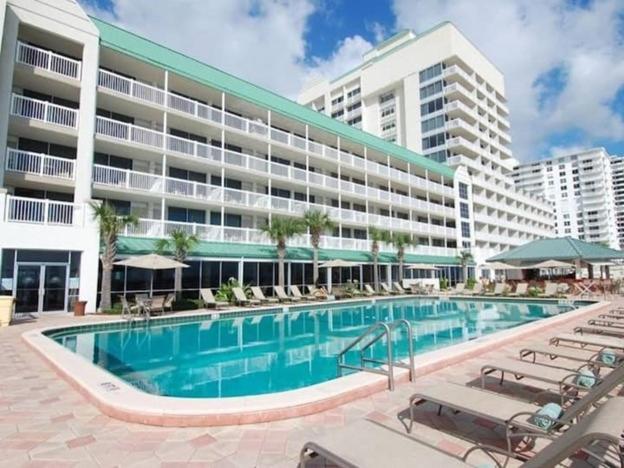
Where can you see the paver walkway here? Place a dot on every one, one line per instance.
(44, 422)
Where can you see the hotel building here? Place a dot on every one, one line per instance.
(89, 111)
(580, 185)
(617, 175)
(436, 94)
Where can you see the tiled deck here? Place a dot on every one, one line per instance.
(44, 422)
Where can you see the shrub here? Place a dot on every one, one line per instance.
(470, 283)
(225, 292)
(444, 283)
(533, 291)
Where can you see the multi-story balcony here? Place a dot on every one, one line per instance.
(26, 162)
(43, 59)
(457, 109)
(42, 211)
(193, 109)
(456, 73)
(155, 228)
(43, 111)
(462, 145)
(456, 91)
(169, 187)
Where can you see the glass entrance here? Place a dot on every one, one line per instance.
(41, 288)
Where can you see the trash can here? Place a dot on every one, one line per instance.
(6, 310)
(79, 308)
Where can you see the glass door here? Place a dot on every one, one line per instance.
(28, 288)
(41, 288)
(54, 287)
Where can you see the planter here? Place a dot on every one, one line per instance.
(6, 310)
(79, 308)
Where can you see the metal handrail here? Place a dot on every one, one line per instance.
(383, 329)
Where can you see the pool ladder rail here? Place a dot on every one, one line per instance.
(375, 332)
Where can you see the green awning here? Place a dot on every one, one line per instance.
(205, 249)
(560, 248)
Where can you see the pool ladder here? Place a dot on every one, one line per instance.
(374, 333)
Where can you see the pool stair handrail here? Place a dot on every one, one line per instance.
(375, 332)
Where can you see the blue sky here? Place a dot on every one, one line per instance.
(563, 59)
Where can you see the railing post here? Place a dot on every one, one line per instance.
(46, 211)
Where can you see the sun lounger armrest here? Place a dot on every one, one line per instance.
(569, 382)
(512, 426)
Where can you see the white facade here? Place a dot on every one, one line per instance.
(86, 114)
(436, 94)
(580, 186)
(617, 175)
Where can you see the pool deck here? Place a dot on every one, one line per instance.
(45, 421)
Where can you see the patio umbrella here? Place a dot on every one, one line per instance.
(335, 264)
(151, 262)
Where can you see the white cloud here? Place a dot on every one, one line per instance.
(262, 41)
(526, 39)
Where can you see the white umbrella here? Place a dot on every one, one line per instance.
(422, 266)
(337, 264)
(151, 262)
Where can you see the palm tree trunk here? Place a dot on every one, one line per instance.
(400, 269)
(315, 266)
(465, 273)
(177, 282)
(107, 269)
(375, 252)
(281, 254)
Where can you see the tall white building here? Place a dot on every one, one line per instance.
(89, 111)
(437, 94)
(617, 174)
(580, 186)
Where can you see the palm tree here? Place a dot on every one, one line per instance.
(180, 243)
(279, 230)
(465, 257)
(111, 224)
(400, 240)
(317, 223)
(377, 236)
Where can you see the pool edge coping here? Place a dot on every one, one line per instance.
(120, 400)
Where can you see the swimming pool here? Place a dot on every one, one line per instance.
(273, 351)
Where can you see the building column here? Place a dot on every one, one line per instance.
(86, 121)
(8, 42)
(89, 261)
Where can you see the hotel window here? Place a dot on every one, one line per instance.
(337, 100)
(386, 97)
(430, 72)
(439, 156)
(463, 209)
(433, 141)
(432, 106)
(353, 92)
(465, 229)
(388, 126)
(431, 124)
(430, 90)
(387, 111)
(463, 191)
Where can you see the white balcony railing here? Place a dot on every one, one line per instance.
(47, 212)
(132, 88)
(128, 132)
(26, 162)
(44, 111)
(47, 60)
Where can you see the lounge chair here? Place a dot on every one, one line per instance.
(386, 289)
(565, 379)
(282, 296)
(318, 293)
(511, 413)
(259, 295)
(599, 341)
(156, 305)
(128, 310)
(475, 291)
(209, 300)
(499, 289)
(368, 290)
(609, 331)
(398, 288)
(612, 316)
(551, 290)
(521, 290)
(368, 444)
(602, 322)
(295, 292)
(169, 300)
(458, 289)
(571, 354)
(241, 298)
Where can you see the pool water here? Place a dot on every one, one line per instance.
(276, 351)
